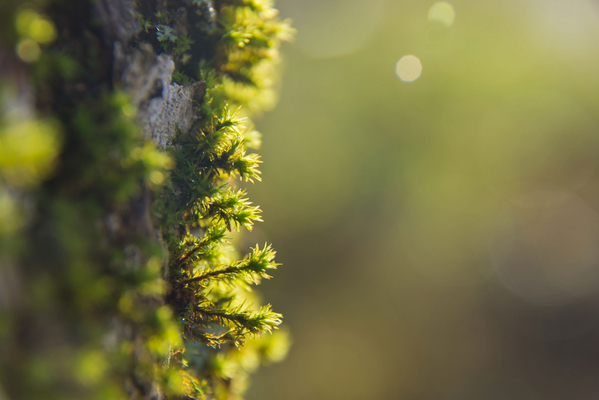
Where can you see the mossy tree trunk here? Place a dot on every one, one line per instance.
(115, 198)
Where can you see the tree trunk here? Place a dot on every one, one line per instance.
(88, 306)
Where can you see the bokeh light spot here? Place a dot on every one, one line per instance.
(42, 31)
(28, 50)
(90, 367)
(157, 177)
(408, 68)
(128, 110)
(24, 19)
(32, 25)
(442, 13)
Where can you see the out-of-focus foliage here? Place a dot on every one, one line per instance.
(28, 150)
(29, 146)
(68, 172)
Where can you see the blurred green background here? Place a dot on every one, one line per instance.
(440, 238)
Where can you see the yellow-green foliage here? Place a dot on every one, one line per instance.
(68, 174)
(248, 52)
(28, 151)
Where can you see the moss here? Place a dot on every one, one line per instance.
(102, 310)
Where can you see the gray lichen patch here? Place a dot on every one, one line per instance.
(163, 107)
(176, 111)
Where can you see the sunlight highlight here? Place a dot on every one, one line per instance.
(28, 50)
(35, 26)
(442, 13)
(408, 68)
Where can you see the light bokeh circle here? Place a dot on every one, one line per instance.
(408, 68)
(442, 13)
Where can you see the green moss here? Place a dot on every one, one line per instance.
(76, 183)
(209, 289)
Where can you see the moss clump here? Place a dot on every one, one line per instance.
(210, 291)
